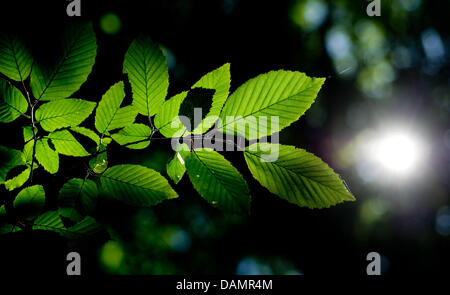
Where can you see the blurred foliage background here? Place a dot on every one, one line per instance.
(383, 74)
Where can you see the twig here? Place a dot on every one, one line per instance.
(33, 127)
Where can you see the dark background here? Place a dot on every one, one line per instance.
(406, 221)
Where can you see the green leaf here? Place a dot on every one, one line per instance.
(86, 227)
(296, 175)
(9, 158)
(46, 156)
(193, 106)
(77, 196)
(66, 144)
(12, 102)
(167, 120)
(217, 181)
(137, 185)
(133, 133)
(283, 94)
(88, 133)
(7, 228)
(51, 221)
(147, 71)
(15, 58)
(99, 163)
(30, 201)
(71, 67)
(109, 115)
(28, 133)
(19, 180)
(219, 80)
(28, 152)
(176, 168)
(65, 113)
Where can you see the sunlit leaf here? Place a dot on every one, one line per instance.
(217, 181)
(218, 80)
(136, 185)
(109, 114)
(9, 158)
(71, 67)
(296, 175)
(12, 102)
(28, 133)
(88, 133)
(46, 156)
(147, 71)
(283, 95)
(135, 133)
(167, 120)
(15, 58)
(19, 180)
(176, 168)
(66, 144)
(65, 113)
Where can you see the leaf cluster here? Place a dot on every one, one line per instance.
(43, 94)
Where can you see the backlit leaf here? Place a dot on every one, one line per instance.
(136, 185)
(12, 102)
(280, 95)
(9, 158)
(46, 156)
(147, 71)
(296, 175)
(176, 168)
(15, 58)
(217, 181)
(64, 113)
(133, 133)
(71, 67)
(66, 144)
(109, 114)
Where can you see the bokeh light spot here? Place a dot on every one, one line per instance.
(251, 266)
(180, 241)
(443, 221)
(111, 256)
(338, 43)
(310, 14)
(110, 23)
(410, 5)
(432, 45)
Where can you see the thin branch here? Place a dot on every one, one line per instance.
(33, 127)
(26, 116)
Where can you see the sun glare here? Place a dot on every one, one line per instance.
(397, 152)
